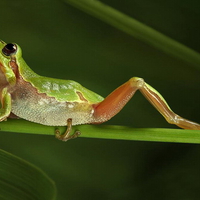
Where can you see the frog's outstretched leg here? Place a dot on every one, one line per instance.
(66, 136)
(5, 107)
(114, 102)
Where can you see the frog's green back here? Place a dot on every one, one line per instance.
(65, 90)
(62, 90)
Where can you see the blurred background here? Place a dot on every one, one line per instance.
(62, 42)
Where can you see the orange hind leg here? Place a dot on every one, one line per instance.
(114, 102)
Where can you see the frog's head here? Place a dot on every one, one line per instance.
(9, 55)
(12, 63)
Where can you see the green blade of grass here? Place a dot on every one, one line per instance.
(107, 132)
(21, 180)
(137, 29)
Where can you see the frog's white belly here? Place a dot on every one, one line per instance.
(46, 110)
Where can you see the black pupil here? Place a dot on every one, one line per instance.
(9, 49)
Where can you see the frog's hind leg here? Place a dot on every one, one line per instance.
(114, 102)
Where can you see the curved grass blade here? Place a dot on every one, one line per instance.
(19, 180)
(137, 29)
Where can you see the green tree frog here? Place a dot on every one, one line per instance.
(55, 102)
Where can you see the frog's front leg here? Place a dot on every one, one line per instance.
(67, 136)
(112, 104)
(5, 109)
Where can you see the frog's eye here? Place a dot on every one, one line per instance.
(9, 49)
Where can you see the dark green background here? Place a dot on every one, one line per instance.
(62, 42)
